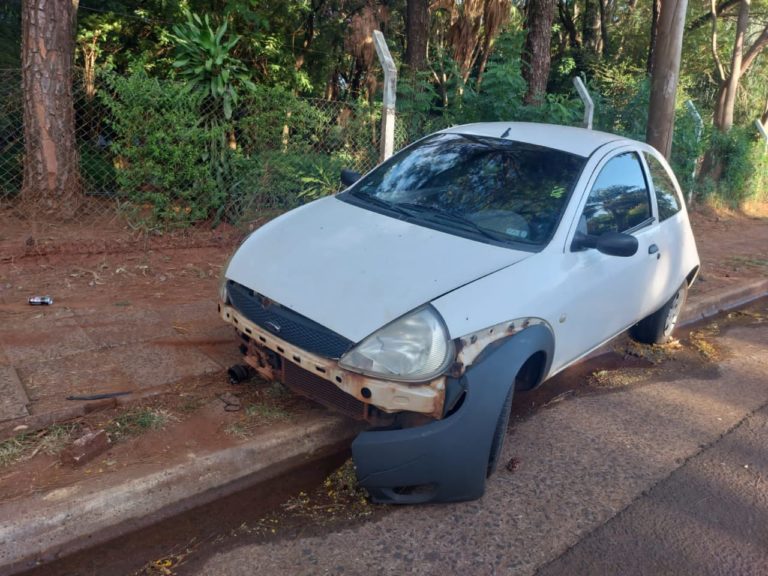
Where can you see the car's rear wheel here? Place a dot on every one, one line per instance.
(500, 433)
(658, 327)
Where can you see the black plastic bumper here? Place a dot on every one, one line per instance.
(447, 460)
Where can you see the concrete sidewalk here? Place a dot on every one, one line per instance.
(79, 352)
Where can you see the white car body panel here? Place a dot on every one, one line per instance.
(354, 270)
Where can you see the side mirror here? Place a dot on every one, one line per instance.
(617, 244)
(610, 243)
(349, 177)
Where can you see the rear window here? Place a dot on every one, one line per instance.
(506, 190)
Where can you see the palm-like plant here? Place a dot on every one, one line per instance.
(204, 59)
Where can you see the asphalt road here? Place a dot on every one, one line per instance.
(660, 477)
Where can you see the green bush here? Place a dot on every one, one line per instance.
(268, 112)
(744, 174)
(274, 181)
(161, 150)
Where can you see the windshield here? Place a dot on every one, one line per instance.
(485, 188)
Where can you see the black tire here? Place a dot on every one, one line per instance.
(658, 327)
(500, 433)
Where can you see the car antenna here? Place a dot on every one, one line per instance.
(506, 133)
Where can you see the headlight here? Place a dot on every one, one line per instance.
(413, 348)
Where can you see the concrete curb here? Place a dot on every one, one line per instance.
(702, 307)
(41, 528)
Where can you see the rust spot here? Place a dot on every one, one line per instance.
(457, 369)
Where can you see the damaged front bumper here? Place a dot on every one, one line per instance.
(316, 376)
(428, 442)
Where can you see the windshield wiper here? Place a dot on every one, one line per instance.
(437, 215)
(378, 202)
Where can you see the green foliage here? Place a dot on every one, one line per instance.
(744, 167)
(275, 181)
(204, 59)
(273, 118)
(160, 150)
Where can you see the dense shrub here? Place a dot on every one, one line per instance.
(743, 167)
(161, 150)
(275, 181)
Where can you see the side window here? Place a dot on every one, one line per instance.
(666, 196)
(619, 199)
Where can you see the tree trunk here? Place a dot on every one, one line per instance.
(416, 33)
(568, 20)
(51, 161)
(605, 43)
(654, 34)
(590, 32)
(724, 112)
(666, 70)
(536, 53)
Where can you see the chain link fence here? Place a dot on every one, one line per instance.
(159, 155)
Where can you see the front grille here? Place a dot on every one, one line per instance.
(287, 324)
(322, 391)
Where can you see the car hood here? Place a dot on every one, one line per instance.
(354, 270)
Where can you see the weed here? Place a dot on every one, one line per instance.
(268, 412)
(13, 449)
(56, 438)
(748, 261)
(137, 422)
(237, 429)
(26, 445)
(277, 390)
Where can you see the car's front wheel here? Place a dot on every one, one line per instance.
(658, 327)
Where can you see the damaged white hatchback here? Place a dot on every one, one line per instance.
(480, 260)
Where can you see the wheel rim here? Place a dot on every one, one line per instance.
(674, 312)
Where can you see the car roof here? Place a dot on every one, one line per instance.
(579, 141)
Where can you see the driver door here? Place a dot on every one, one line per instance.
(604, 295)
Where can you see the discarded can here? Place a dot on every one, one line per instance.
(41, 301)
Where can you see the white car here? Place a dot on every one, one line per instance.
(480, 260)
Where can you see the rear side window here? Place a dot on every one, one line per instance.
(666, 195)
(619, 199)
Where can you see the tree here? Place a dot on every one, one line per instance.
(536, 53)
(664, 78)
(416, 33)
(741, 62)
(51, 161)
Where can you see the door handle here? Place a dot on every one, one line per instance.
(654, 249)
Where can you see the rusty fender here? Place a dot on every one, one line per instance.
(424, 398)
(471, 346)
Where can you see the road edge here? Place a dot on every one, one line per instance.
(48, 526)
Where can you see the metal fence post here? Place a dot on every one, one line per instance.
(390, 93)
(762, 131)
(589, 106)
(698, 131)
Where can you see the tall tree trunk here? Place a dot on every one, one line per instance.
(51, 161)
(568, 20)
(536, 53)
(416, 33)
(590, 31)
(654, 35)
(605, 18)
(726, 105)
(666, 71)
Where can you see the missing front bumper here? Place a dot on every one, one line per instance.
(323, 380)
